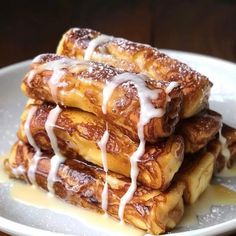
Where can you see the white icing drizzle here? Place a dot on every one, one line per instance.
(171, 86)
(30, 77)
(37, 156)
(147, 112)
(33, 166)
(29, 136)
(57, 66)
(54, 82)
(102, 145)
(169, 89)
(101, 39)
(224, 148)
(52, 175)
(18, 171)
(57, 159)
(103, 142)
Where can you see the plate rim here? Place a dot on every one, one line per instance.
(194, 54)
(10, 226)
(14, 66)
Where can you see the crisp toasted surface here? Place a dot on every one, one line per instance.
(230, 134)
(215, 146)
(196, 173)
(132, 56)
(81, 184)
(78, 133)
(199, 130)
(197, 169)
(82, 84)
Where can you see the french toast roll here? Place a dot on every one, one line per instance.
(119, 97)
(79, 132)
(136, 57)
(229, 133)
(81, 184)
(215, 147)
(224, 150)
(197, 169)
(196, 173)
(199, 130)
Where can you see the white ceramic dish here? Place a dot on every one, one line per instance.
(19, 219)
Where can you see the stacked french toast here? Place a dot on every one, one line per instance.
(120, 128)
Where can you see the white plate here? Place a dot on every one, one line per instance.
(19, 219)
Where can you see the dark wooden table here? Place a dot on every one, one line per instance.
(28, 28)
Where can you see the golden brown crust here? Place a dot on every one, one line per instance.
(215, 147)
(81, 184)
(199, 130)
(83, 88)
(197, 169)
(196, 173)
(132, 56)
(229, 133)
(78, 133)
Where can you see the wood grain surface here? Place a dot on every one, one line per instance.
(29, 28)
